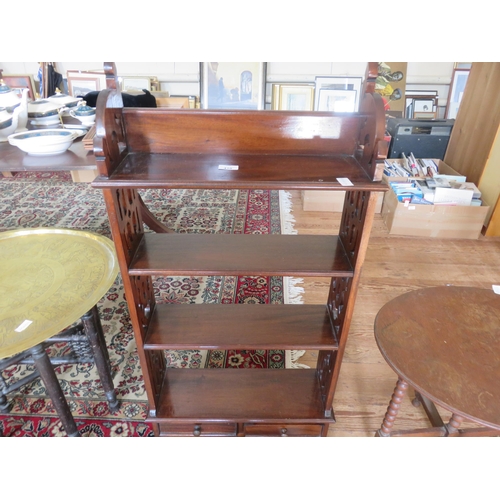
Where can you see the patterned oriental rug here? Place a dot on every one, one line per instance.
(51, 199)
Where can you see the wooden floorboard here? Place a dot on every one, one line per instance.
(393, 265)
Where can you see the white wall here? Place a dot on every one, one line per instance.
(182, 78)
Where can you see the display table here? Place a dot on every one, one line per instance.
(78, 160)
(49, 279)
(445, 343)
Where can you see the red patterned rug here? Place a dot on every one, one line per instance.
(53, 200)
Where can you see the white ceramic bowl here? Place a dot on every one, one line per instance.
(43, 142)
(44, 112)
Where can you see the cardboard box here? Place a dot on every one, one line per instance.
(443, 169)
(432, 221)
(330, 201)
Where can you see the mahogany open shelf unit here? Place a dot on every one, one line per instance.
(146, 148)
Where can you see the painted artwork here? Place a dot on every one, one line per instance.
(232, 85)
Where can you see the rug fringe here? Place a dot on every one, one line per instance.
(287, 219)
(293, 293)
(292, 357)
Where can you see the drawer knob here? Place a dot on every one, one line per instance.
(284, 432)
(197, 430)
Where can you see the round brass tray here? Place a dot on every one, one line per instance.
(49, 278)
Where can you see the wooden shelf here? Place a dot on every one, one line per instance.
(151, 148)
(247, 395)
(239, 255)
(240, 326)
(201, 171)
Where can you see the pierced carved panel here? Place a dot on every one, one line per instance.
(144, 300)
(337, 302)
(353, 218)
(128, 219)
(156, 371)
(337, 306)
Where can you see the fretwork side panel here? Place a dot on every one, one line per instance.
(352, 223)
(357, 218)
(124, 211)
(156, 366)
(337, 301)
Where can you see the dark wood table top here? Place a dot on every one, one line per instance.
(12, 159)
(445, 343)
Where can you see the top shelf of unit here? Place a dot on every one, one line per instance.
(254, 171)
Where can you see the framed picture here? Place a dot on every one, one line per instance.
(456, 92)
(83, 82)
(232, 85)
(293, 96)
(137, 83)
(339, 101)
(19, 82)
(337, 83)
(418, 102)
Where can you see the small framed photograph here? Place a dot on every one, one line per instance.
(337, 83)
(423, 105)
(83, 82)
(232, 85)
(19, 82)
(137, 83)
(456, 92)
(293, 96)
(421, 102)
(339, 101)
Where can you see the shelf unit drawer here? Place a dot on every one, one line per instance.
(202, 429)
(283, 430)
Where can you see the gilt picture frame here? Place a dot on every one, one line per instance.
(292, 96)
(232, 85)
(136, 83)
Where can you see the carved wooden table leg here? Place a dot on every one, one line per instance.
(5, 405)
(392, 409)
(93, 329)
(47, 374)
(454, 423)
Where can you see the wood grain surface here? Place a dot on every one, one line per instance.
(394, 265)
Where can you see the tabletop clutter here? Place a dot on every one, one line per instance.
(419, 182)
(34, 126)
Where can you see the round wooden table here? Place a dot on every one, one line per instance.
(49, 279)
(445, 343)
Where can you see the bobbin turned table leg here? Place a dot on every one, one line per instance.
(93, 329)
(453, 425)
(392, 409)
(47, 374)
(5, 405)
